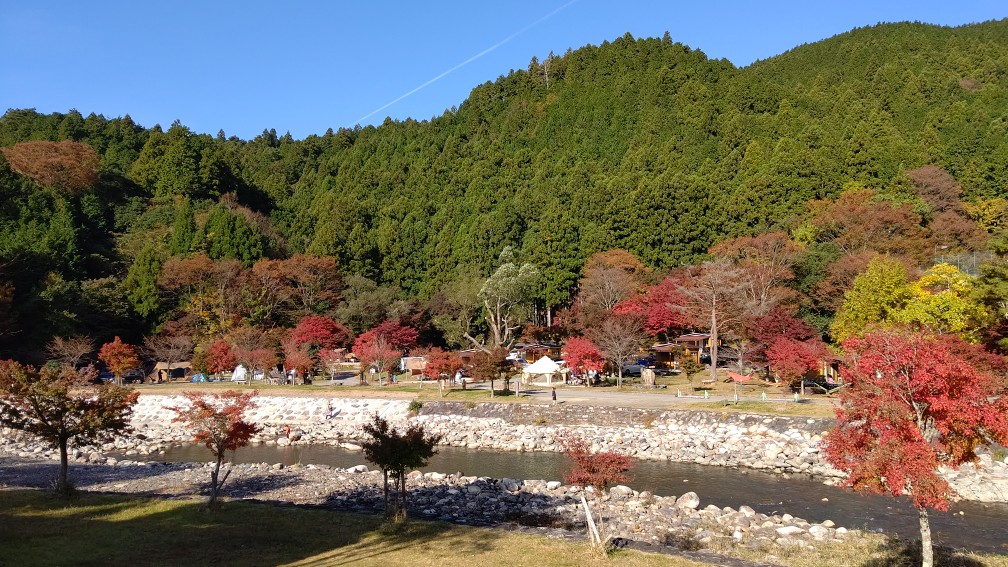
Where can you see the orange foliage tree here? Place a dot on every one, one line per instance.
(218, 422)
(68, 165)
(62, 404)
(119, 357)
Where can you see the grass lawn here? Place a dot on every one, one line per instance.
(103, 529)
(36, 528)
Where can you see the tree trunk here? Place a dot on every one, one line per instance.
(385, 474)
(491, 388)
(214, 485)
(401, 512)
(927, 551)
(713, 346)
(62, 486)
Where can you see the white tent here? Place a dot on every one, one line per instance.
(542, 367)
(239, 374)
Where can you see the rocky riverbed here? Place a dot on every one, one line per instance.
(639, 516)
(771, 443)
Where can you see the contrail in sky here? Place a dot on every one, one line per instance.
(468, 61)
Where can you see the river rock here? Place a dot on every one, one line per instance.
(688, 500)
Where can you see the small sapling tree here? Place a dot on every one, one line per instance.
(597, 470)
(62, 404)
(218, 421)
(396, 453)
(915, 403)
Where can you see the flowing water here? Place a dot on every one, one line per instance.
(979, 527)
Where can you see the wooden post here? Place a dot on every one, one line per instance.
(593, 532)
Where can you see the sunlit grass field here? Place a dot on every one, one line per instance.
(37, 528)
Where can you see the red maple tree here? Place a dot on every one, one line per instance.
(221, 357)
(60, 405)
(382, 346)
(320, 332)
(119, 357)
(218, 422)
(662, 306)
(582, 356)
(595, 469)
(792, 359)
(779, 322)
(440, 366)
(914, 403)
(297, 357)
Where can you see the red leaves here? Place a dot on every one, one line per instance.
(118, 356)
(582, 356)
(791, 359)
(320, 332)
(778, 322)
(217, 420)
(662, 306)
(221, 356)
(383, 344)
(598, 470)
(440, 363)
(914, 403)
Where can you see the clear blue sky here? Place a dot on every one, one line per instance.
(305, 66)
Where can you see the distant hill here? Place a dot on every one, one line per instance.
(642, 144)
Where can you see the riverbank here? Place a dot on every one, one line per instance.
(680, 521)
(778, 444)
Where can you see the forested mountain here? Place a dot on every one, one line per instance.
(637, 144)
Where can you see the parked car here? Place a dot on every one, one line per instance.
(631, 369)
(134, 376)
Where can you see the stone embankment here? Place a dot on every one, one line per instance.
(772, 443)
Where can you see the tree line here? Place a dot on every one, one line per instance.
(642, 145)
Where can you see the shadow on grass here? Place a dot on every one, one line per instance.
(95, 477)
(112, 529)
(898, 552)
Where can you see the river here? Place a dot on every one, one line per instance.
(970, 525)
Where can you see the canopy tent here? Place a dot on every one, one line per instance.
(240, 373)
(545, 366)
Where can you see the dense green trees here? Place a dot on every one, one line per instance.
(638, 144)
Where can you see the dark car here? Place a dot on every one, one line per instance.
(134, 376)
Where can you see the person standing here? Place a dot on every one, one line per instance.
(554, 396)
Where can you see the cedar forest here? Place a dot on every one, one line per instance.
(856, 181)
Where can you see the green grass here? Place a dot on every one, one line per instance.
(107, 529)
(36, 528)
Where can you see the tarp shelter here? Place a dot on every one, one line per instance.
(545, 366)
(170, 370)
(413, 364)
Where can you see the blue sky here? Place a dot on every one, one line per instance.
(307, 66)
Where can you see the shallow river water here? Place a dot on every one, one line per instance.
(977, 527)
